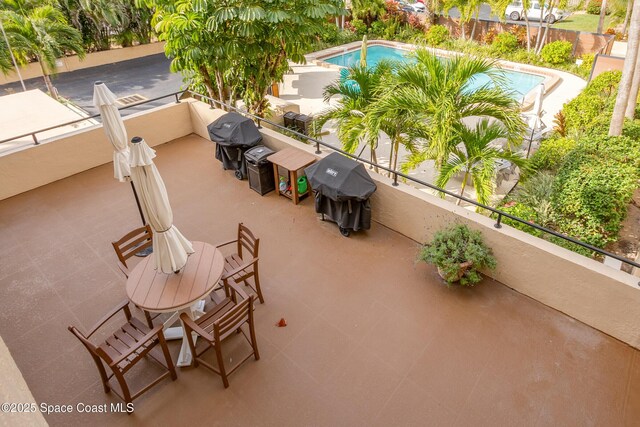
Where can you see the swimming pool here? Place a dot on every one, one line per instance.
(518, 83)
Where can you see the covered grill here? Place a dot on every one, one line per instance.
(234, 134)
(342, 188)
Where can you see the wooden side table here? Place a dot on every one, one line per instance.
(292, 160)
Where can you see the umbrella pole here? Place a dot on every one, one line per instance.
(149, 250)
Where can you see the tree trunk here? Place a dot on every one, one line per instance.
(617, 119)
(464, 185)
(544, 38)
(528, 26)
(47, 80)
(626, 17)
(603, 11)
(374, 159)
(206, 79)
(630, 112)
(463, 32)
(396, 147)
(220, 87)
(539, 36)
(475, 22)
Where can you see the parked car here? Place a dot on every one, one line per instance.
(515, 12)
(412, 7)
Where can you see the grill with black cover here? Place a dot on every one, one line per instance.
(234, 134)
(342, 188)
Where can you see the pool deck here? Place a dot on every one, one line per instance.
(304, 86)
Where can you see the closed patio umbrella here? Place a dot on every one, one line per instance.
(535, 119)
(170, 247)
(105, 101)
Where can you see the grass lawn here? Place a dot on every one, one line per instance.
(583, 22)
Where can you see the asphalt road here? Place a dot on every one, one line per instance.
(148, 76)
(485, 13)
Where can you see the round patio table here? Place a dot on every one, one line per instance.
(177, 293)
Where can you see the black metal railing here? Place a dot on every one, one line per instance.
(34, 134)
(393, 173)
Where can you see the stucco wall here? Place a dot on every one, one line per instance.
(72, 63)
(13, 389)
(78, 151)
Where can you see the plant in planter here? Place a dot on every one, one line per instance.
(459, 253)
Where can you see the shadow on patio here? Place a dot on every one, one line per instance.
(372, 338)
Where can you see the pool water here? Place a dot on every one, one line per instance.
(518, 83)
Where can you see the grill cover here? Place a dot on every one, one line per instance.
(340, 178)
(234, 130)
(342, 189)
(233, 134)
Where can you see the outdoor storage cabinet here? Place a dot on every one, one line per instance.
(259, 169)
(342, 188)
(233, 135)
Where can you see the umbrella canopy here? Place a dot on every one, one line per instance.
(363, 52)
(340, 178)
(105, 101)
(170, 247)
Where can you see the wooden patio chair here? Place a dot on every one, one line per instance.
(243, 264)
(130, 244)
(124, 349)
(223, 320)
(126, 247)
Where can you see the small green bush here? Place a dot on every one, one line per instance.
(524, 212)
(593, 8)
(359, 27)
(455, 245)
(631, 129)
(591, 110)
(587, 63)
(377, 28)
(551, 154)
(557, 52)
(437, 35)
(504, 43)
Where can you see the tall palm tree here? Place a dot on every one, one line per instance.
(478, 159)
(434, 96)
(357, 94)
(43, 34)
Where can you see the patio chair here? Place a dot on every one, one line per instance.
(243, 264)
(223, 320)
(124, 349)
(130, 244)
(126, 247)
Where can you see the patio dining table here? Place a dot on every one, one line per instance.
(177, 293)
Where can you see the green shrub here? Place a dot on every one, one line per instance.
(593, 8)
(587, 63)
(377, 28)
(456, 245)
(504, 43)
(591, 110)
(631, 129)
(551, 154)
(593, 188)
(359, 27)
(524, 212)
(557, 52)
(437, 35)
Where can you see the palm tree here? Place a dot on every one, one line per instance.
(357, 94)
(478, 159)
(432, 97)
(368, 10)
(5, 57)
(43, 34)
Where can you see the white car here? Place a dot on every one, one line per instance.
(515, 12)
(413, 7)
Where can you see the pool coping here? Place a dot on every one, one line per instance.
(551, 79)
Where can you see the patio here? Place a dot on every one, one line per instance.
(372, 338)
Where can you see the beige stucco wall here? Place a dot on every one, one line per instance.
(78, 151)
(13, 389)
(72, 63)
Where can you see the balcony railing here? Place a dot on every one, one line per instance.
(498, 214)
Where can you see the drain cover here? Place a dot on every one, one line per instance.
(131, 99)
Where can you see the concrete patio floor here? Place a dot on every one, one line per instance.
(372, 338)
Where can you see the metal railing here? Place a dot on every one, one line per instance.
(33, 134)
(395, 174)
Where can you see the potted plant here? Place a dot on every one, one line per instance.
(459, 253)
